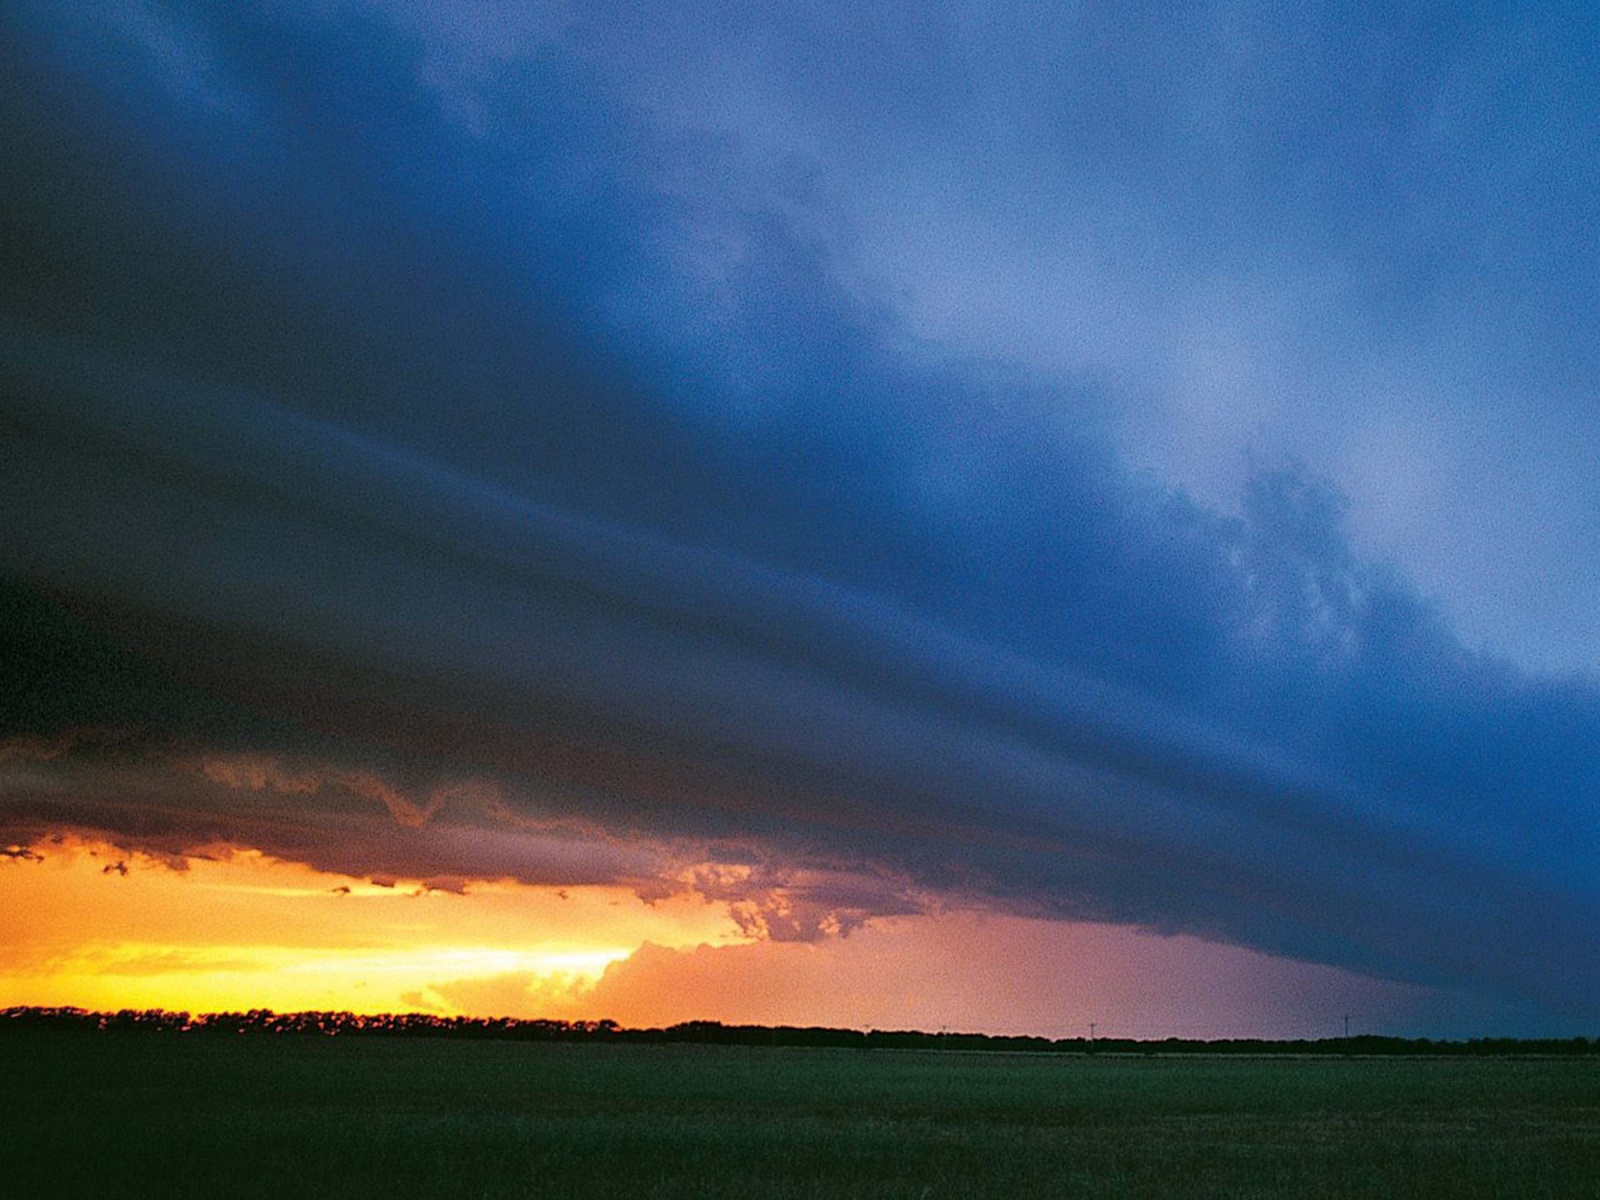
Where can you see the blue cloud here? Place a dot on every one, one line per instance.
(380, 398)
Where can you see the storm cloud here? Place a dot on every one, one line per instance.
(438, 450)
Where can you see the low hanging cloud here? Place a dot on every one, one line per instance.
(170, 807)
(451, 517)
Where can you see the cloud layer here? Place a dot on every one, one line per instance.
(425, 455)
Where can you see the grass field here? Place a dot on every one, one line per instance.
(167, 1115)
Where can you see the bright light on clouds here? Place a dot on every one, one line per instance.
(93, 926)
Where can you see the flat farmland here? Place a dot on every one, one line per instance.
(214, 1115)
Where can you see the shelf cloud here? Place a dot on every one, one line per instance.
(433, 447)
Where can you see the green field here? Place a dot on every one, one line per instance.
(213, 1115)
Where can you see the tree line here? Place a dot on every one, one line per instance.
(262, 1021)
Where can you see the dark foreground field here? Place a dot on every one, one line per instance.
(172, 1115)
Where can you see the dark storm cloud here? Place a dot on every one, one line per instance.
(446, 480)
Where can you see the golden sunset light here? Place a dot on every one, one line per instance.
(84, 924)
(87, 925)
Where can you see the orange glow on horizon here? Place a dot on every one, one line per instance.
(90, 926)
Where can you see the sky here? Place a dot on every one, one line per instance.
(939, 516)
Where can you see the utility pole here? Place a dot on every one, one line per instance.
(1091, 1032)
(1347, 1027)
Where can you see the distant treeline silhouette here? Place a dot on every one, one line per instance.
(261, 1021)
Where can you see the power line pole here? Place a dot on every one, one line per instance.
(1347, 1027)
